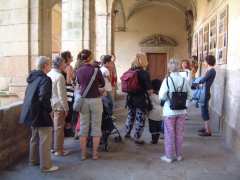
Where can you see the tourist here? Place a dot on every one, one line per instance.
(59, 104)
(174, 119)
(155, 115)
(106, 60)
(194, 66)
(113, 75)
(186, 71)
(36, 110)
(138, 102)
(92, 108)
(207, 80)
(69, 77)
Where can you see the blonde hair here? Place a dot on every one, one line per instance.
(140, 61)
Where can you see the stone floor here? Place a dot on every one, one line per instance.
(205, 159)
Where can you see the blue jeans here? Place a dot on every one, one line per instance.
(205, 110)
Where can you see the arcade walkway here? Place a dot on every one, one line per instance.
(205, 159)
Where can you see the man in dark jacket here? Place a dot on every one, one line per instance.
(36, 111)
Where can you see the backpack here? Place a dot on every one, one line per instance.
(179, 98)
(130, 82)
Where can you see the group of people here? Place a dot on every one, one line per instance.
(51, 89)
(49, 100)
(159, 103)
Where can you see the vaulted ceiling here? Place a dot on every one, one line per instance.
(180, 5)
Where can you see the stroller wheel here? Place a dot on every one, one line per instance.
(118, 139)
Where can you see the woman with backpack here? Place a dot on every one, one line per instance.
(174, 93)
(138, 101)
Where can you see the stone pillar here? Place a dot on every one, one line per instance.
(72, 25)
(101, 27)
(18, 19)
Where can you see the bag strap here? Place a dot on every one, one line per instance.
(183, 84)
(90, 83)
(173, 84)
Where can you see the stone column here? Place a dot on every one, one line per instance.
(101, 27)
(18, 42)
(72, 25)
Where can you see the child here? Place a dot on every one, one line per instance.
(155, 122)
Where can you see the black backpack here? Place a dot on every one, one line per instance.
(179, 98)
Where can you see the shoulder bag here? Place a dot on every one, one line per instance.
(78, 98)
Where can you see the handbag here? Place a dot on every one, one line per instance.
(78, 98)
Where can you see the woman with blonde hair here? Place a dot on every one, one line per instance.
(138, 102)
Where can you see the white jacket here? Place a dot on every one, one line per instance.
(163, 93)
(59, 95)
(156, 113)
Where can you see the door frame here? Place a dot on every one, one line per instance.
(166, 61)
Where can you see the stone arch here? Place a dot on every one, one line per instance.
(137, 7)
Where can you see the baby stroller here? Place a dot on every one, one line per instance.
(108, 126)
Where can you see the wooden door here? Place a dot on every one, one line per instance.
(157, 65)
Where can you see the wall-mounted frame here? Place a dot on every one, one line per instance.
(213, 36)
(195, 44)
(222, 36)
(200, 45)
(205, 40)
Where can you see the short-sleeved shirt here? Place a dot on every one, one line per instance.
(106, 73)
(84, 75)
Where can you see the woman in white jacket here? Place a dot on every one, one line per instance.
(173, 119)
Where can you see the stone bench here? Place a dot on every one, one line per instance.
(14, 137)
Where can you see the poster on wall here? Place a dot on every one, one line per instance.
(195, 45)
(200, 45)
(222, 36)
(213, 36)
(205, 40)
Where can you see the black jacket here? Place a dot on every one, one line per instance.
(141, 98)
(36, 107)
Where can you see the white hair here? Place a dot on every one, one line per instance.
(173, 65)
(57, 61)
(41, 62)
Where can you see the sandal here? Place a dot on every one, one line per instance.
(84, 157)
(95, 156)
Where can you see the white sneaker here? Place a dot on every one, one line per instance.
(51, 169)
(64, 153)
(179, 158)
(166, 159)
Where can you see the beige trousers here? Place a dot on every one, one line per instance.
(59, 123)
(40, 147)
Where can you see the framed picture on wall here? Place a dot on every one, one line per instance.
(222, 36)
(200, 45)
(205, 40)
(195, 44)
(213, 36)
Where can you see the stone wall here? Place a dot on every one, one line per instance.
(14, 137)
(151, 20)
